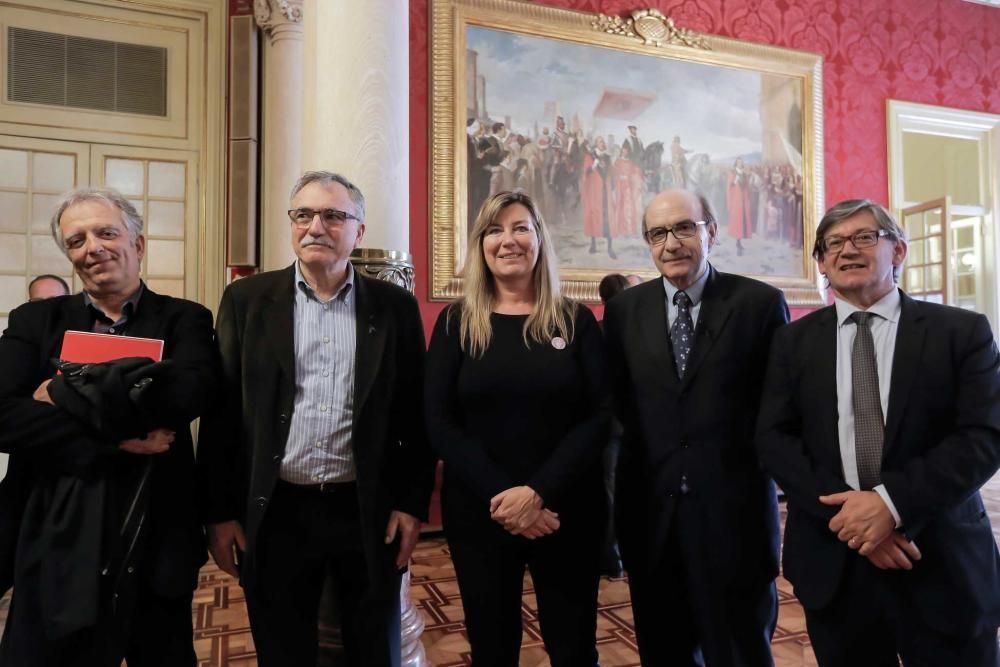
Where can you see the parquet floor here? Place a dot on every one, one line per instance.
(222, 635)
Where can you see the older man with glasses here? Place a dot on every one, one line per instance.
(317, 464)
(697, 519)
(881, 421)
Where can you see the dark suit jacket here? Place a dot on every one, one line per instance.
(243, 441)
(942, 442)
(695, 437)
(43, 440)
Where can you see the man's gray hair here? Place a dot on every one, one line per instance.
(326, 178)
(130, 217)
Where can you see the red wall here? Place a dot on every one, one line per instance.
(942, 52)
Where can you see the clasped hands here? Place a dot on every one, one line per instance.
(520, 511)
(865, 523)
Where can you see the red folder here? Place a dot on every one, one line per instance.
(86, 347)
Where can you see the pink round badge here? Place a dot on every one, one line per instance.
(558, 343)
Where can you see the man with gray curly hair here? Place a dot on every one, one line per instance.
(99, 533)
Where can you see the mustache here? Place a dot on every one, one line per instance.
(309, 240)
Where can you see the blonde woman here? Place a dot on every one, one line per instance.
(516, 408)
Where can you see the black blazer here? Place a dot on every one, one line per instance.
(42, 439)
(243, 440)
(695, 437)
(942, 443)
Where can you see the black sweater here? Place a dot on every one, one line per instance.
(535, 415)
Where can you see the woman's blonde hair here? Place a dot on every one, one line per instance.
(552, 315)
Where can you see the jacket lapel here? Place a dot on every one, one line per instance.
(147, 316)
(652, 311)
(77, 318)
(822, 357)
(715, 310)
(906, 361)
(279, 321)
(371, 337)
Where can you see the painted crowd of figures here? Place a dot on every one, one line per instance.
(601, 185)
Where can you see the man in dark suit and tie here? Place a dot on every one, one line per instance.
(99, 528)
(317, 463)
(880, 420)
(697, 520)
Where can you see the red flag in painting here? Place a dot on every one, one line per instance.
(622, 104)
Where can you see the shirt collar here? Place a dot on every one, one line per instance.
(343, 293)
(888, 307)
(128, 308)
(694, 292)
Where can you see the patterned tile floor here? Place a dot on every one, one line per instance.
(222, 636)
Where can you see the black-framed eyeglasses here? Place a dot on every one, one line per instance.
(681, 230)
(303, 217)
(866, 238)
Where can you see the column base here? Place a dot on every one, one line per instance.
(392, 266)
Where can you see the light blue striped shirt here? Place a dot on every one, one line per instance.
(319, 437)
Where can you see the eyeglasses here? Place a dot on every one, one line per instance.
(303, 217)
(682, 230)
(866, 238)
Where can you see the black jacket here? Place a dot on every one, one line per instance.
(243, 440)
(56, 457)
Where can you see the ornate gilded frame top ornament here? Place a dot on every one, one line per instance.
(645, 32)
(650, 26)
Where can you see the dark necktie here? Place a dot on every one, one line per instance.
(869, 427)
(682, 332)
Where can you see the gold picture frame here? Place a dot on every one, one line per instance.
(639, 70)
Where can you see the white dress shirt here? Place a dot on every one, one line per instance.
(693, 292)
(883, 327)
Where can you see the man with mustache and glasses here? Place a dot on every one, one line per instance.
(316, 461)
(881, 421)
(697, 520)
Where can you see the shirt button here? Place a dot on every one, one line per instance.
(326, 373)
(326, 339)
(319, 443)
(111, 330)
(326, 306)
(322, 408)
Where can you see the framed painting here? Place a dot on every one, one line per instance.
(592, 115)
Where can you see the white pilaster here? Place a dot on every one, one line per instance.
(356, 107)
(281, 148)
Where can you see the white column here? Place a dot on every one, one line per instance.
(356, 119)
(356, 107)
(281, 148)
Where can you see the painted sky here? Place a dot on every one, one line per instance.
(715, 110)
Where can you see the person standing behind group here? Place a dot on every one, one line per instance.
(46, 286)
(516, 408)
(697, 520)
